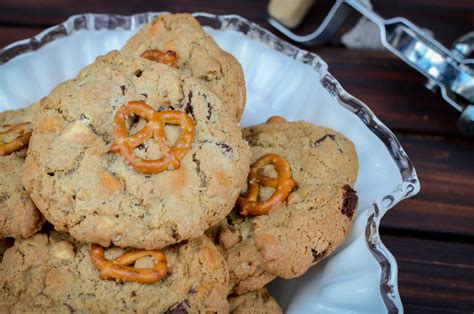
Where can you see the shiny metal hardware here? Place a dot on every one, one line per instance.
(450, 71)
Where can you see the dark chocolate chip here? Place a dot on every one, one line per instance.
(51, 174)
(175, 235)
(189, 107)
(133, 293)
(209, 111)
(224, 148)
(350, 201)
(138, 73)
(322, 139)
(318, 256)
(122, 87)
(135, 120)
(230, 221)
(180, 308)
(143, 147)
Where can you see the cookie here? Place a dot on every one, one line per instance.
(85, 188)
(259, 301)
(310, 223)
(18, 214)
(51, 273)
(197, 55)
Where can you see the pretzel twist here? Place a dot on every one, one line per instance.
(23, 131)
(168, 57)
(283, 185)
(119, 269)
(125, 144)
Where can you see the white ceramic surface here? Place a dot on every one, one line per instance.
(361, 277)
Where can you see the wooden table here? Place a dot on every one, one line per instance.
(431, 235)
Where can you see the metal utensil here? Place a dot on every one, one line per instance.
(450, 71)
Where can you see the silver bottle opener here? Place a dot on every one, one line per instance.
(450, 71)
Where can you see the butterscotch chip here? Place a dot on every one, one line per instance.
(259, 302)
(52, 273)
(18, 214)
(84, 188)
(314, 220)
(197, 55)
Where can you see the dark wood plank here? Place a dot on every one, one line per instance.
(434, 276)
(445, 203)
(448, 19)
(48, 12)
(393, 90)
(10, 34)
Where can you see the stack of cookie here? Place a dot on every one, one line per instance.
(132, 188)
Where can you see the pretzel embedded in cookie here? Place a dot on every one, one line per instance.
(168, 57)
(23, 134)
(283, 184)
(124, 143)
(275, 120)
(120, 269)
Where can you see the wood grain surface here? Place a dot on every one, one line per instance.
(432, 234)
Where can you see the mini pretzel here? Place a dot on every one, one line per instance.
(276, 120)
(124, 143)
(119, 268)
(283, 185)
(22, 139)
(168, 57)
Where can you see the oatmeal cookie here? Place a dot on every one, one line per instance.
(197, 55)
(18, 214)
(84, 188)
(259, 301)
(52, 273)
(313, 221)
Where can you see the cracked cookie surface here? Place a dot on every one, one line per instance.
(83, 189)
(53, 273)
(259, 301)
(314, 220)
(18, 214)
(197, 55)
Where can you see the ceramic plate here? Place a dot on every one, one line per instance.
(361, 277)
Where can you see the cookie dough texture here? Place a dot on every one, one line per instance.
(94, 195)
(197, 55)
(53, 274)
(18, 214)
(258, 302)
(312, 223)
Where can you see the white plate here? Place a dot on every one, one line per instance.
(361, 277)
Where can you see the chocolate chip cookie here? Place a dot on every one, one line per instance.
(18, 214)
(259, 301)
(310, 223)
(87, 180)
(197, 55)
(52, 273)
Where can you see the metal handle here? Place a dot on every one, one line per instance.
(447, 70)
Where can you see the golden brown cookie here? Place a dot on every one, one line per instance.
(85, 187)
(313, 221)
(197, 55)
(18, 214)
(51, 273)
(259, 302)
